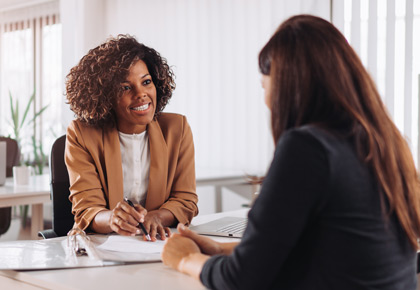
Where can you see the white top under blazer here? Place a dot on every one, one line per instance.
(135, 156)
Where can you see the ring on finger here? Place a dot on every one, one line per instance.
(118, 221)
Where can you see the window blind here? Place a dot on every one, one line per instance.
(383, 34)
(30, 63)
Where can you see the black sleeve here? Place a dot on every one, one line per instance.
(293, 192)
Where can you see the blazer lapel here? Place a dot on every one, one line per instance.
(156, 194)
(113, 165)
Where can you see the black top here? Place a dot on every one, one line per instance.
(317, 224)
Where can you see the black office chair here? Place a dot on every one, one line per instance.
(418, 262)
(12, 159)
(63, 218)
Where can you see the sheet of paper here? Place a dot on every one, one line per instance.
(135, 244)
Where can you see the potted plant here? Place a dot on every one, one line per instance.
(18, 124)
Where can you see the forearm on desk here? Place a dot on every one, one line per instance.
(193, 264)
(101, 223)
(227, 248)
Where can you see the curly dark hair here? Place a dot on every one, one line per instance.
(93, 86)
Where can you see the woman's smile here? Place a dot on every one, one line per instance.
(141, 108)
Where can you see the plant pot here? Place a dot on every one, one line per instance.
(21, 174)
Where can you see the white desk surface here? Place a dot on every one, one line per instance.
(145, 276)
(36, 193)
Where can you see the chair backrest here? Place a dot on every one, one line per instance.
(12, 153)
(12, 159)
(63, 218)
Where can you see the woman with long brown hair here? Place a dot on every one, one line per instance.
(339, 207)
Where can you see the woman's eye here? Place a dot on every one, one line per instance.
(147, 82)
(125, 88)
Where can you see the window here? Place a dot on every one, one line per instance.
(382, 33)
(30, 63)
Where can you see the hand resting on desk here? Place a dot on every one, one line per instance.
(187, 251)
(206, 244)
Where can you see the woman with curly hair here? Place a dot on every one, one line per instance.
(121, 145)
(339, 207)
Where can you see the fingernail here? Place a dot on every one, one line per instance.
(138, 232)
(182, 227)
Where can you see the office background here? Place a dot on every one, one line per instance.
(212, 46)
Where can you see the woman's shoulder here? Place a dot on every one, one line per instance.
(334, 145)
(76, 127)
(315, 134)
(305, 138)
(171, 121)
(170, 117)
(171, 125)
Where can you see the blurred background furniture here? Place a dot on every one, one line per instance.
(63, 219)
(236, 181)
(36, 193)
(12, 159)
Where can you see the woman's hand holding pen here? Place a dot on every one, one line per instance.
(126, 216)
(124, 219)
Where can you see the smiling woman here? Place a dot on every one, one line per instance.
(135, 108)
(122, 146)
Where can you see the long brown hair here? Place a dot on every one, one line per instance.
(316, 77)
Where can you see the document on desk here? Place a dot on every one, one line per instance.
(127, 249)
(40, 255)
(102, 250)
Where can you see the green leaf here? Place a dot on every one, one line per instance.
(38, 113)
(12, 110)
(15, 116)
(31, 99)
(18, 124)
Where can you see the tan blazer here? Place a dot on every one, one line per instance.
(93, 159)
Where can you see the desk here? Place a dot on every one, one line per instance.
(35, 193)
(145, 275)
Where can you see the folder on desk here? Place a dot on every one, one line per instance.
(77, 251)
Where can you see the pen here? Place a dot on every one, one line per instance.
(143, 229)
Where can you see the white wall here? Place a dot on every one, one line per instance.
(82, 29)
(212, 46)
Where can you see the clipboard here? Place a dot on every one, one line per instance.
(77, 250)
